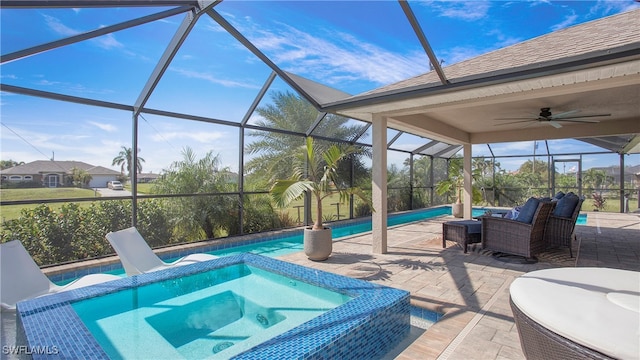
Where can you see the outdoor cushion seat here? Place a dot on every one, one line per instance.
(137, 257)
(506, 236)
(528, 210)
(559, 230)
(584, 313)
(566, 205)
(22, 279)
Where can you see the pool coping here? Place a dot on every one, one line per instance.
(50, 323)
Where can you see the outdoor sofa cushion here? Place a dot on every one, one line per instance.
(598, 308)
(528, 210)
(565, 206)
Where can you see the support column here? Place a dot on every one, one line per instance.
(379, 184)
(468, 192)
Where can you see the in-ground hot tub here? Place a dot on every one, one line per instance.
(235, 306)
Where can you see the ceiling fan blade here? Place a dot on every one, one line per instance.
(516, 118)
(578, 121)
(513, 122)
(564, 114)
(554, 124)
(579, 117)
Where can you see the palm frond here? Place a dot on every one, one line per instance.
(286, 191)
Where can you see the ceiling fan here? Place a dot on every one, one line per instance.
(553, 120)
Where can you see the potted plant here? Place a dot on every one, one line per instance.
(316, 173)
(453, 185)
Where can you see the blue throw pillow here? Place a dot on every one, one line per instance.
(566, 205)
(528, 210)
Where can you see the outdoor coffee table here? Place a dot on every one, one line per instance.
(464, 232)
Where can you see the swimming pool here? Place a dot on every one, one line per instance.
(279, 245)
(220, 312)
(371, 321)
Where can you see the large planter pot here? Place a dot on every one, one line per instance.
(457, 210)
(318, 244)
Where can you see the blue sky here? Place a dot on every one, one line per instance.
(353, 46)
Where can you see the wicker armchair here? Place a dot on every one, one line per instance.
(559, 230)
(515, 237)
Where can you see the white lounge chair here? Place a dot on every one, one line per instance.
(22, 279)
(138, 258)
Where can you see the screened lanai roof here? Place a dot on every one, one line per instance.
(587, 69)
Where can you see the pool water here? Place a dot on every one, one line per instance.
(214, 314)
(294, 243)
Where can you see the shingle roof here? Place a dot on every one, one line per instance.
(598, 35)
(53, 166)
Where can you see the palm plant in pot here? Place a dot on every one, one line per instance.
(316, 172)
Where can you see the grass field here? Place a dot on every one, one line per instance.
(8, 212)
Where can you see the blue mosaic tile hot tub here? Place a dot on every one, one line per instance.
(367, 327)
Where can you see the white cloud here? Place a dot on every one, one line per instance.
(568, 21)
(105, 127)
(332, 56)
(106, 41)
(58, 27)
(213, 79)
(463, 10)
(201, 137)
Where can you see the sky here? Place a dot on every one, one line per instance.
(353, 46)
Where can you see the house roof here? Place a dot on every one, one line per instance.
(55, 166)
(588, 69)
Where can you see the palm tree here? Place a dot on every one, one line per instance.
(197, 216)
(321, 178)
(124, 158)
(275, 150)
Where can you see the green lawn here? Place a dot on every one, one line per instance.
(8, 212)
(46, 194)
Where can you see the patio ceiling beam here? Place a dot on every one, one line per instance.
(362, 132)
(315, 123)
(91, 34)
(249, 45)
(394, 139)
(435, 62)
(55, 96)
(491, 151)
(169, 53)
(258, 98)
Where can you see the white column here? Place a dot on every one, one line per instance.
(468, 192)
(379, 184)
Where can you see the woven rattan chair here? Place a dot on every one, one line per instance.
(559, 230)
(513, 237)
(539, 342)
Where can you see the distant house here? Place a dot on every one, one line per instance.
(147, 177)
(53, 173)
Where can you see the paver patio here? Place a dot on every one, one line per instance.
(472, 290)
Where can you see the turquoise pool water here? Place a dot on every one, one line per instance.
(293, 243)
(214, 314)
